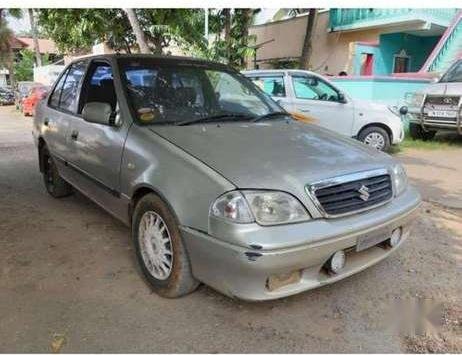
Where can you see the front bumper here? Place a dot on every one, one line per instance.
(243, 271)
(416, 115)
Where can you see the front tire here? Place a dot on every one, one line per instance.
(55, 185)
(160, 249)
(375, 137)
(417, 132)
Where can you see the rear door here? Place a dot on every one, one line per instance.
(60, 112)
(273, 84)
(318, 99)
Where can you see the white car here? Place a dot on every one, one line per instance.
(312, 95)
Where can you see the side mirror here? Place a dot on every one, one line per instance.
(403, 110)
(98, 112)
(342, 98)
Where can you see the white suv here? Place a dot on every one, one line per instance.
(312, 95)
(438, 106)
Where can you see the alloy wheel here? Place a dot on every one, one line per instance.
(155, 245)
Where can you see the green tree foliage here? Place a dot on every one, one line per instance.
(6, 51)
(231, 42)
(76, 30)
(24, 68)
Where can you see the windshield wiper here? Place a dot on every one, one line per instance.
(269, 115)
(213, 118)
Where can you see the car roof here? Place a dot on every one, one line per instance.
(160, 58)
(276, 71)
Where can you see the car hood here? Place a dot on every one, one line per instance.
(278, 154)
(443, 89)
(370, 105)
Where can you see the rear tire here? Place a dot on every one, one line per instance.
(160, 249)
(375, 137)
(55, 185)
(417, 132)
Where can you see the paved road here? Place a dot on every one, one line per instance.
(68, 277)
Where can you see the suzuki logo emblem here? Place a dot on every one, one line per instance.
(364, 193)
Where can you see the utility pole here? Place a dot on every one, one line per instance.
(206, 26)
(33, 27)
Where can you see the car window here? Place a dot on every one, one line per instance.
(313, 88)
(172, 93)
(54, 99)
(69, 92)
(98, 86)
(272, 85)
(233, 95)
(454, 74)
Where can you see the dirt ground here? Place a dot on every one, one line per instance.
(69, 282)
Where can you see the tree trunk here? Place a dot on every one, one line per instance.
(246, 22)
(134, 23)
(38, 58)
(227, 19)
(307, 47)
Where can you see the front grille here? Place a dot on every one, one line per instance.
(344, 198)
(442, 100)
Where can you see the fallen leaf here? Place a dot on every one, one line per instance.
(57, 343)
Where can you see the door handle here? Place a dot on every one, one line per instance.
(46, 122)
(74, 135)
(305, 110)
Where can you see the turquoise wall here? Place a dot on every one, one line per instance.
(417, 47)
(390, 91)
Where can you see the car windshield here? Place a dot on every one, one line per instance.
(170, 92)
(454, 74)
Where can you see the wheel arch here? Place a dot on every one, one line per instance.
(142, 190)
(378, 124)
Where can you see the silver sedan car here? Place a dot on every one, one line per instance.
(217, 182)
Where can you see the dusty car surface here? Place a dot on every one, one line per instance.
(438, 107)
(218, 183)
(308, 93)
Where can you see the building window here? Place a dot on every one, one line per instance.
(401, 62)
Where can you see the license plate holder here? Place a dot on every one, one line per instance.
(442, 113)
(371, 239)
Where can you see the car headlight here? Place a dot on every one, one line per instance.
(264, 207)
(233, 207)
(417, 99)
(394, 110)
(399, 179)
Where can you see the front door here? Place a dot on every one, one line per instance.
(320, 101)
(97, 148)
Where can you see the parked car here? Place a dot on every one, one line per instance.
(29, 103)
(313, 95)
(438, 106)
(22, 90)
(6, 96)
(218, 183)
